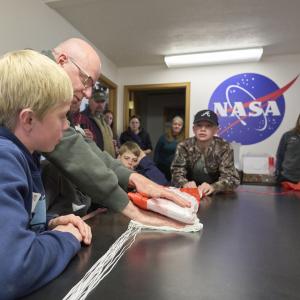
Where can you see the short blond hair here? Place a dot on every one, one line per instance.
(29, 79)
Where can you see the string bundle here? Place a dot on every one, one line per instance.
(103, 266)
(107, 262)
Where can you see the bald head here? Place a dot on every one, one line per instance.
(81, 62)
(81, 51)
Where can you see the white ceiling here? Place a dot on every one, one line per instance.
(141, 32)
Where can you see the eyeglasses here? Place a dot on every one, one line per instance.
(86, 79)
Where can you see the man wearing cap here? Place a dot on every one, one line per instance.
(102, 133)
(205, 160)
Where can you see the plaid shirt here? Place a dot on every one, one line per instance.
(217, 159)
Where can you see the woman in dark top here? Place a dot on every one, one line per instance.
(288, 156)
(166, 146)
(136, 134)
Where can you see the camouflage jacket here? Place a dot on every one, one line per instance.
(217, 163)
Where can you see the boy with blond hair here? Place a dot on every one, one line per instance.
(35, 95)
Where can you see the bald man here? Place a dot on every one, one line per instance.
(94, 172)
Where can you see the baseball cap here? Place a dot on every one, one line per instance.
(206, 115)
(100, 93)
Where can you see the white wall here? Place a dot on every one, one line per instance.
(281, 69)
(32, 24)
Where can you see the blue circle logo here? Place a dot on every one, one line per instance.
(250, 107)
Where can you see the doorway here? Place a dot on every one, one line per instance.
(157, 104)
(112, 98)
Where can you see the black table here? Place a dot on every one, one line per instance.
(249, 248)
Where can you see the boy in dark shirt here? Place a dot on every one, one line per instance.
(134, 158)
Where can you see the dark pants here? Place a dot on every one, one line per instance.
(62, 196)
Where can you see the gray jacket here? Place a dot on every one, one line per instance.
(94, 172)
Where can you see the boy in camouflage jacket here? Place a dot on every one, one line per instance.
(205, 160)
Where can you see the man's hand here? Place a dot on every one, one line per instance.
(205, 189)
(83, 228)
(150, 189)
(149, 218)
(88, 134)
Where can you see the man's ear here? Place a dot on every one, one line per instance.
(26, 119)
(61, 59)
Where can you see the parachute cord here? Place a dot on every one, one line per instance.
(104, 265)
(107, 262)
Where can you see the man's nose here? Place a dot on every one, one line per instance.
(87, 92)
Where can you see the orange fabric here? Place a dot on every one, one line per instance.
(193, 192)
(138, 199)
(291, 186)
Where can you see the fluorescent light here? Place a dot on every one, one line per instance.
(212, 58)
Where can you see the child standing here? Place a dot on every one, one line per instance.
(35, 95)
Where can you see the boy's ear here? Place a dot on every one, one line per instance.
(216, 129)
(26, 117)
(194, 129)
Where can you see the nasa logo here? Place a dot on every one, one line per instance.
(250, 107)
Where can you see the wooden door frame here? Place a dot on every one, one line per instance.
(128, 89)
(112, 101)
